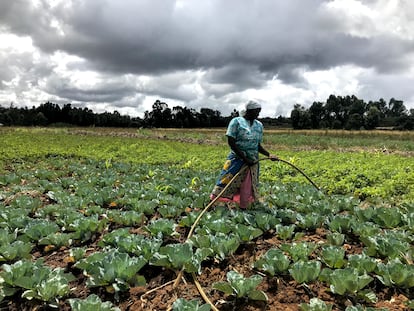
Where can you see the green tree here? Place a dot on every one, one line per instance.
(300, 117)
(396, 108)
(160, 116)
(317, 112)
(372, 118)
(337, 110)
(40, 119)
(355, 122)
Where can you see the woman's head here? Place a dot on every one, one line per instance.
(251, 110)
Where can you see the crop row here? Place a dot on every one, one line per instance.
(136, 217)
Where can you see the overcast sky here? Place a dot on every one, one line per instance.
(124, 54)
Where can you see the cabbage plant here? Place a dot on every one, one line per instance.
(305, 271)
(273, 262)
(241, 287)
(315, 304)
(92, 303)
(180, 256)
(193, 305)
(113, 269)
(349, 281)
(395, 273)
(37, 280)
(333, 256)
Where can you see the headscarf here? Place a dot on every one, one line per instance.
(250, 106)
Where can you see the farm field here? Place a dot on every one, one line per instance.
(100, 219)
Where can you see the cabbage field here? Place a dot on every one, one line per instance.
(114, 219)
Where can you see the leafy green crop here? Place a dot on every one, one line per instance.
(241, 287)
(333, 256)
(387, 244)
(6, 237)
(161, 227)
(180, 256)
(266, 221)
(132, 243)
(335, 238)
(37, 229)
(222, 244)
(113, 269)
(387, 217)
(273, 262)
(347, 280)
(92, 303)
(287, 216)
(310, 221)
(85, 228)
(28, 203)
(315, 304)
(11, 248)
(37, 281)
(184, 305)
(15, 250)
(362, 262)
(97, 194)
(12, 219)
(285, 232)
(340, 223)
(58, 239)
(365, 229)
(77, 253)
(299, 251)
(221, 225)
(395, 273)
(126, 218)
(305, 271)
(247, 233)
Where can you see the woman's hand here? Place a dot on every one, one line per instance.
(249, 162)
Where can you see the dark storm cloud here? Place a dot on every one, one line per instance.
(240, 74)
(107, 91)
(236, 47)
(159, 36)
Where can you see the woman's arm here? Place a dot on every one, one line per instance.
(267, 153)
(232, 143)
(263, 151)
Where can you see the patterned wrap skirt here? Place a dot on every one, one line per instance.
(243, 190)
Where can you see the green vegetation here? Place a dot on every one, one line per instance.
(37, 281)
(348, 164)
(315, 304)
(115, 210)
(193, 305)
(241, 287)
(92, 303)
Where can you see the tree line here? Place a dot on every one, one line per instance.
(352, 113)
(337, 112)
(51, 114)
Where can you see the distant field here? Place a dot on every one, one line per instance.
(377, 164)
(397, 141)
(392, 141)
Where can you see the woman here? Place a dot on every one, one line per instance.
(244, 136)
